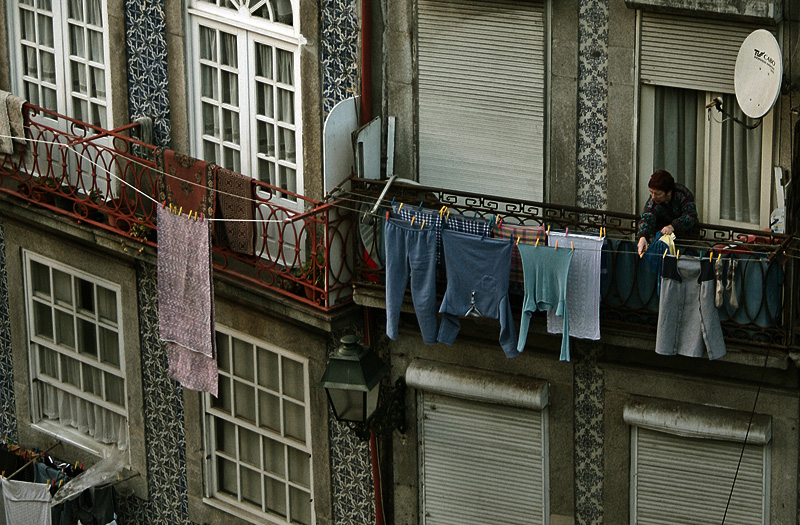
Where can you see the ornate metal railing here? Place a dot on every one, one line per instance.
(108, 179)
(762, 284)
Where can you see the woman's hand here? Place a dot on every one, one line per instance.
(642, 245)
(666, 230)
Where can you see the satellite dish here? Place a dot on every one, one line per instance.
(758, 74)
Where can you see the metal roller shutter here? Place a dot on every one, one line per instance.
(685, 480)
(482, 95)
(690, 53)
(481, 463)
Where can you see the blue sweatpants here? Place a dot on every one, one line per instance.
(411, 253)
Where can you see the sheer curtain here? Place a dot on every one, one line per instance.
(740, 184)
(675, 134)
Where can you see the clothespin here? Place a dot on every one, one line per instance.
(164, 205)
(567, 233)
(718, 256)
(170, 207)
(548, 229)
(3, 474)
(572, 245)
(518, 237)
(678, 254)
(441, 210)
(665, 253)
(412, 220)
(48, 483)
(475, 215)
(710, 255)
(401, 207)
(195, 216)
(203, 217)
(117, 475)
(423, 224)
(420, 206)
(448, 213)
(81, 466)
(387, 215)
(556, 245)
(537, 243)
(180, 211)
(60, 482)
(500, 222)
(76, 465)
(392, 203)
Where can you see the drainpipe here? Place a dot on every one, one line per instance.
(366, 61)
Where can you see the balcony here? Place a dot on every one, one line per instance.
(763, 320)
(108, 179)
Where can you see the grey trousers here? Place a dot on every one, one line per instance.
(688, 321)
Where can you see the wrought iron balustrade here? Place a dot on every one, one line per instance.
(629, 288)
(108, 179)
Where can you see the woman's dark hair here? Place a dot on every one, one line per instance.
(662, 180)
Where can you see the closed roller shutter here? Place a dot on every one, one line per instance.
(685, 480)
(481, 462)
(690, 53)
(482, 95)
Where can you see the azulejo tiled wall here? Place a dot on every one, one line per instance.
(8, 419)
(351, 476)
(146, 40)
(164, 423)
(340, 55)
(593, 104)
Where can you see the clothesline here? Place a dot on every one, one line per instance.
(356, 202)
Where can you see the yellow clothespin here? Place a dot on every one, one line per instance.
(710, 255)
(572, 245)
(548, 229)
(60, 482)
(678, 254)
(401, 207)
(118, 476)
(48, 483)
(556, 245)
(441, 210)
(412, 220)
(3, 474)
(423, 224)
(448, 212)
(76, 464)
(665, 253)
(518, 238)
(537, 243)
(718, 256)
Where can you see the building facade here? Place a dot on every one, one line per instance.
(537, 111)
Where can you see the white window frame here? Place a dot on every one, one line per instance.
(61, 50)
(248, 30)
(69, 434)
(709, 131)
(233, 504)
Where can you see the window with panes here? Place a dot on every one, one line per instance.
(77, 379)
(59, 52)
(258, 446)
(245, 66)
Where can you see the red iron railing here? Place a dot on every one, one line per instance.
(108, 179)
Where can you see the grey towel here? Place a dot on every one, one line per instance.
(15, 118)
(6, 142)
(186, 299)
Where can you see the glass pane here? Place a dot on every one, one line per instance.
(107, 305)
(268, 369)
(208, 81)
(263, 61)
(264, 101)
(223, 401)
(98, 116)
(65, 329)
(295, 421)
(48, 67)
(28, 25)
(286, 106)
(276, 496)
(77, 45)
(45, 30)
(29, 61)
(40, 279)
(96, 46)
(46, 5)
(269, 407)
(285, 67)
(210, 150)
(282, 10)
(300, 502)
(245, 397)
(249, 447)
(70, 371)
(79, 82)
(97, 83)
(223, 352)
(87, 338)
(230, 121)
(740, 177)
(85, 292)
(48, 362)
(62, 286)
(230, 88)
(293, 379)
(229, 54)
(94, 13)
(274, 460)
(251, 486)
(49, 98)
(243, 364)
(115, 389)
(76, 10)
(89, 384)
(266, 171)
(210, 120)
(42, 320)
(288, 180)
(231, 159)
(226, 437)
(109, 347)
(32, 94)
(299, 467)
(266, 138)
(226, 476)
(261, 12)
(208, 44)
(286, 145)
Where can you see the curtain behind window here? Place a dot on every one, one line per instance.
(675, 134)
(740, 185)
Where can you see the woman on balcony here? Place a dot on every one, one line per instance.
(670, 208)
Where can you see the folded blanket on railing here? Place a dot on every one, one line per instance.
(185, 181)
(6, 142)
(235, 202)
